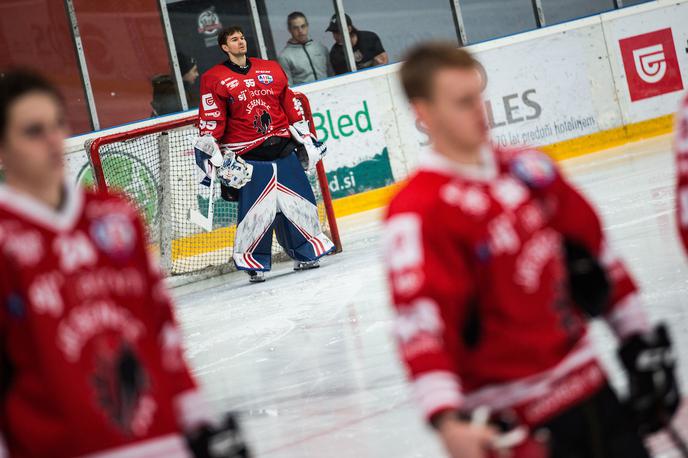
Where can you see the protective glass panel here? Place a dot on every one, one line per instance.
(125, 51)
(566, 10)
(635, 2)
(383, 31)
(196, 26)
(36, 34)
(302, 44)
(498, 18)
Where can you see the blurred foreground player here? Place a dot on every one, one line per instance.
(267, 144)
(681, 148)
(90, 355)
(496, 263)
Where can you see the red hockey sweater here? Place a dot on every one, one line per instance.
(242, 111)
(681, 148)
(475, 264)
(90, 354)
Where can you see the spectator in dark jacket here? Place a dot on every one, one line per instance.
(368, 50)
(165, 97)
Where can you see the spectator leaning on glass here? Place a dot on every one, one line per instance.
(165, 98)
(303, 59)
(368, 50)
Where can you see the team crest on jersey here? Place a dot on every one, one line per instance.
(114, 235)
(121, 384)
(262, 123)
(264, 78)
(534, 169)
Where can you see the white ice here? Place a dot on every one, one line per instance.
(307, 358)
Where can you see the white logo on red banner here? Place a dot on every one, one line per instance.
(651, 64)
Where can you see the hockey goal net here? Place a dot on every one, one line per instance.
(154, 166)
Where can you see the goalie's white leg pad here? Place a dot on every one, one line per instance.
(297, 224)
(257, 211)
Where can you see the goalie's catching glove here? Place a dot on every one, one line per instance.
(313, 150)
(235, 172)
(653, 392)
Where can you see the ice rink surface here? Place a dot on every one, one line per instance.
(307, 358)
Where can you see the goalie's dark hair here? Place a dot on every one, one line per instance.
(15, 84)
(226, 33)
(424, 61)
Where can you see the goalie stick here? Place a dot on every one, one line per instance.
(195, 216)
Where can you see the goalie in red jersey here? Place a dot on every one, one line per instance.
(91, 360)
(257, 131)
(496, 264)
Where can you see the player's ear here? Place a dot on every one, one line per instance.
(225, 48)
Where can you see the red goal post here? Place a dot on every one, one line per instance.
(154, 165)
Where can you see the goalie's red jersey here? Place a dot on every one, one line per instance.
(681, 147)
(475, 263)
(241, 111)
(90, 354)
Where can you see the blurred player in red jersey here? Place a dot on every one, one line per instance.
(91, 360)
(681, 148)
(249, 113)
(496, 264)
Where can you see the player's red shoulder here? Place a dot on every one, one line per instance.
(93, 349)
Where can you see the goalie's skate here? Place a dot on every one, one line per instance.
(256, 276)
(306, 265)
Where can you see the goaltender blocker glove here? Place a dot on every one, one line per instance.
(312, 151)
(653, 392)
(207, 153)
(235, 172)
(224, 441)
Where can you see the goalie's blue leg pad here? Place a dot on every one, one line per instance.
(297, 224)
(257, 210)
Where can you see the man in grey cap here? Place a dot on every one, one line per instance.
(303, 59)
(368, 50)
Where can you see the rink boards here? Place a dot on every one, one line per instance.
(572, 88)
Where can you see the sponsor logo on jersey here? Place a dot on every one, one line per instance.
(213, 114)
(471, 200)
(250, 82)
(261, 92)
(25, 247)
(45, 296)
(509, 192)
(265, 78)
(255, 103)
(651, 64)
(114, 235)
(242, 96)
(230, 83)
(298, 106)
(74, 251)
(85, 322)
(208, 102)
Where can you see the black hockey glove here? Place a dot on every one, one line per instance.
(588, 283)
(653, 396)
(225, 441)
